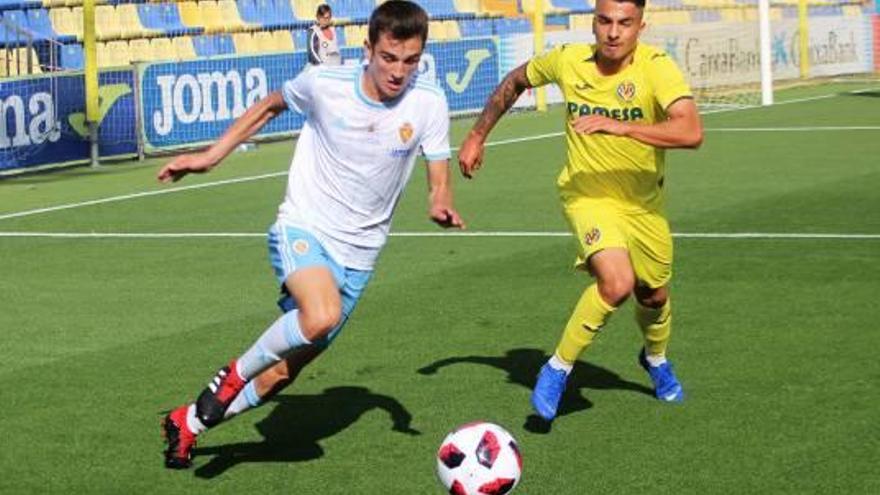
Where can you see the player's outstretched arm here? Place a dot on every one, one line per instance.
(681, 129)
(242, 129)
(470, 155)
(441, 209)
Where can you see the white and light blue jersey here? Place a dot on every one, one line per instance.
(354, 157)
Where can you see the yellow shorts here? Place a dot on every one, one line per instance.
(601, 223)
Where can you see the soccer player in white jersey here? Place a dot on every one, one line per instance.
(365, 126)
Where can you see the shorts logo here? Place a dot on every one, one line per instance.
(406, 132)
(626, 91)
(592, 236)
(300, 246)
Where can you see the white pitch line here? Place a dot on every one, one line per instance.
(144, 194)
(535, 234)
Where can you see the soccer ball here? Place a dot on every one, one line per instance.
(479, 459)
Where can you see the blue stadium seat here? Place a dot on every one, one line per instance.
(439, 8)
(210, 45)
(72, 56)
(248, 11)
(300, 38)
(574, 6)
(164, 17)
(475, 27)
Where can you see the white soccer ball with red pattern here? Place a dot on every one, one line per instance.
(479, 459)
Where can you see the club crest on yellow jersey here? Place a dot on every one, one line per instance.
(626, 91)
(593, 236)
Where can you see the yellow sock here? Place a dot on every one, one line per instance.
(656, 324)
(588, 317)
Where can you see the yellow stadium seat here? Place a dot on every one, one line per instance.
(140, 50)
(131, 23)
(468, 6)
(506, 8)
(304, 9)
(283, 41)
(183, 48)
(113, 54)
(64, 21)
(264, 41)
(14, 62)
(212, 17)
(107, 23)
(355, 35)
(244, 43)
(230, 15)
(436, 30)
(453, 32)
(190, 14)
(163, 49)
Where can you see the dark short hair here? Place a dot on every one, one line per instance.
(638, 3)
(402, 19)
(323, 9)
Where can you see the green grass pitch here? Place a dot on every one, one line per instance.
(775, 339)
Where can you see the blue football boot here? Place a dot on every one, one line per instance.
(548, 391)
(666, 385)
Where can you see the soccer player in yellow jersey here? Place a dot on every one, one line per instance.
(626, 102)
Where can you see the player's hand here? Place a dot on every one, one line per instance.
(470, 155)
(591, 124)
(193, 163)
(446, 217)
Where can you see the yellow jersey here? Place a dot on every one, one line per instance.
(602, 165)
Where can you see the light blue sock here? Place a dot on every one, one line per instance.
(280, 338)
(246, 399)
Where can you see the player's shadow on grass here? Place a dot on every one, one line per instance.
(297, 423)
(522, 367)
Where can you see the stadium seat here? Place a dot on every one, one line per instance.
(300, 38)
(67, 21)
(436, 31)
(71, 56)
(211, 16)
(107, 23)
(230, 14)
(507, 8)
(305, 9)
(190, 14)
(264, 41)
(453, 32)
(113, 54)
(130, 22)
(38, 21)
(19, 62)
(356, 34)
(468, 7)
(140, 50)
(244, 43)
(475, 27)
(162, 49)
(184, 48)
(283, 40)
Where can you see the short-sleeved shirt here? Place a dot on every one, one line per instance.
(602, 165)
(354, 157)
